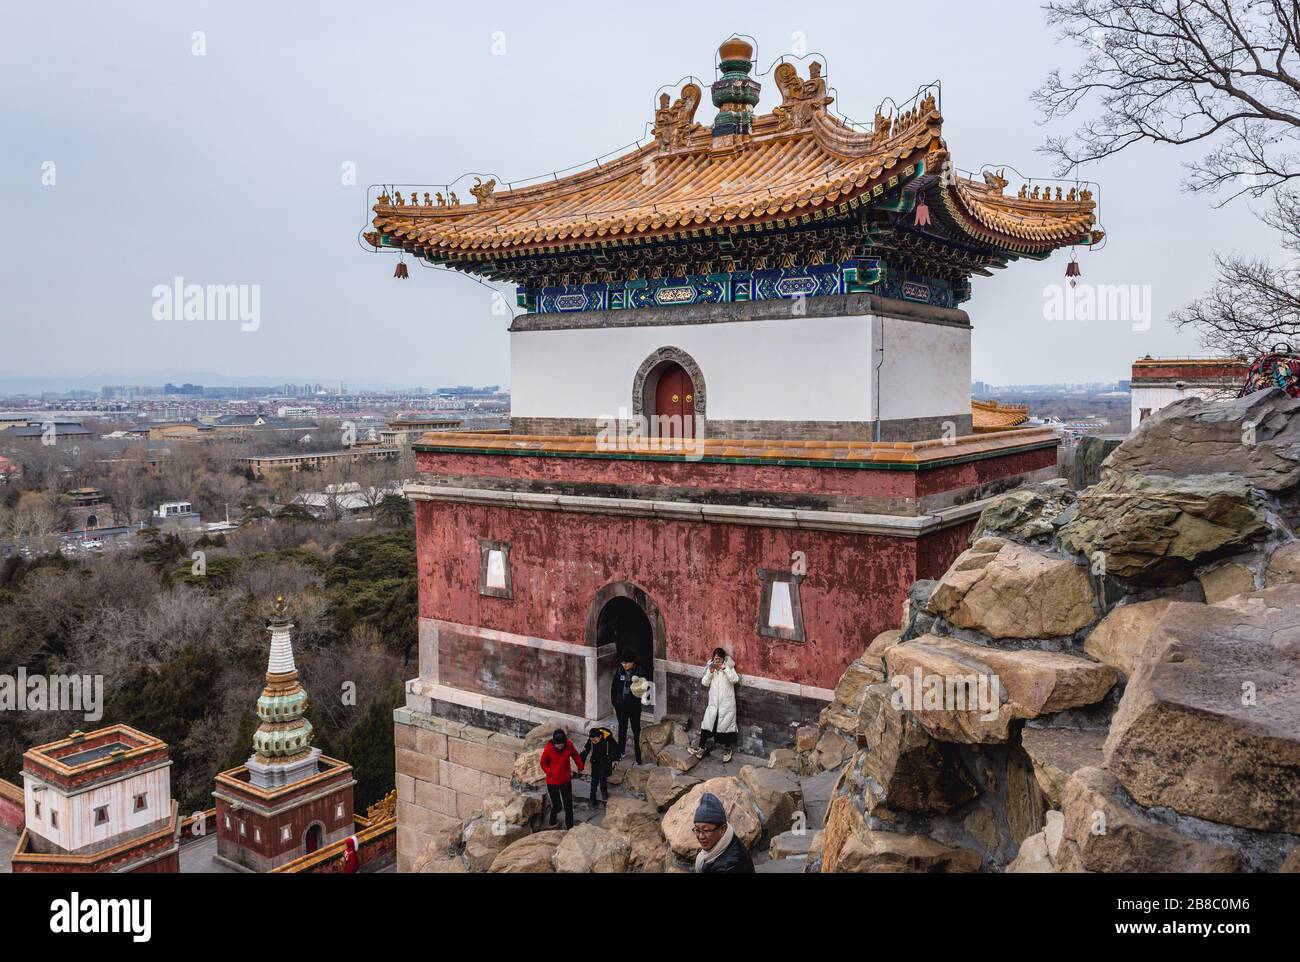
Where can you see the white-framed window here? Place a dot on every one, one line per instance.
(257, 835)
(227, 822)
(338, 812)
(286, 833)
(494, 569)
(241, 830)
(780, 610)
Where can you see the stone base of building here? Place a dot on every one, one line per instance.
(444, 771)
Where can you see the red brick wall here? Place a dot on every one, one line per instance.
(703, 578)
(298, 819)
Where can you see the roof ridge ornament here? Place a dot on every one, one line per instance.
(735, 93)
(673, 124)
(800, 98)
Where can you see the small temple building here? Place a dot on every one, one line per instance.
(741, 411)
(288, 800)
(1160, 381)
(98, 802)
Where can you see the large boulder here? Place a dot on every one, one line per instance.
(1283, 566)
(874, 656)
(1255, 438)
(528, 769)
(742, 814)
(485, 839)
(842, 713)
(1225, 580)
(1006, 590)
(1114, 835)
(890, 852)
(587, 848)
(963, 692)
(664, 787)
(1026, 514)
(1209, 724)
(638, 822)
(832, 750)
(913, 772)
(513, 808)
(1057, 753)
(1121, 636)
(777, 796)
(1154, 529)
(531, 854)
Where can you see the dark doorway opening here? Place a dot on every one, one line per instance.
(624, 625)
(314, 838)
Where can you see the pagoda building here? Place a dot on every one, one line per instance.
(99, 802)
(287, 800)
(741, 411)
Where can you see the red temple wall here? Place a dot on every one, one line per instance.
(702, 576)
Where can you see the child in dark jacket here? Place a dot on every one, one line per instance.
(556, 756)
(603, 753)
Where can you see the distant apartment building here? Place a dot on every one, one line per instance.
(311, 461)
(1160, 381)
(175, 514)
(404, 430)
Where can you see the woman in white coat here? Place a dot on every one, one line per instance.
(719, 722)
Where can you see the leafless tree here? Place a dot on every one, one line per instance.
(1221, 76)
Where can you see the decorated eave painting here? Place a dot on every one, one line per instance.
(796, 202)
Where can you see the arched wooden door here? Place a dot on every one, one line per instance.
(314, 838)
(675, 398)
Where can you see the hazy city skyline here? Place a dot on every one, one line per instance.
(213, 143)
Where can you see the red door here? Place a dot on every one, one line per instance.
(675, 398)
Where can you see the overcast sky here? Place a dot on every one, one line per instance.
(227, 167)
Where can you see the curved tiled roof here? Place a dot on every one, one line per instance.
(992, 416)
(778, 174)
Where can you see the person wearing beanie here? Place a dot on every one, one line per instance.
(556, 756)
(600, 754)
(719, 722)
(721, 850)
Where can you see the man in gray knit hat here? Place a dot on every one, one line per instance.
(721, 850)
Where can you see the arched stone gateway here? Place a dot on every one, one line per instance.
(622, 616)
(668, 360)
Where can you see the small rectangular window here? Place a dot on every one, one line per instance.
(141, 802)
(338, 812)
(494, 569)
(780, 610)
(101, 815)
(36, 809)
(54, 819)
(286, 833)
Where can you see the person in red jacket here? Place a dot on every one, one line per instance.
(559, 779)
(351, 862)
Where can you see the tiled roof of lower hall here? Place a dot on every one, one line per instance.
(902, 453)
(799, 161)
(990, 415)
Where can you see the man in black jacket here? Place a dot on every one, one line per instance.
(627, 706)
(721, 850)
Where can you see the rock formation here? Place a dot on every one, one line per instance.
(1103, 682)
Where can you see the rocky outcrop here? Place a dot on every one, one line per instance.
(1006, 590)
(529, 855)
(1155, 529)
(777, 796)
(1255, 438)
(1141, 701)
(586, 848)
(963, 692)
(1210, 722)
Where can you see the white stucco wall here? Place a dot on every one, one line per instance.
(77, 828)
(1155, 398)
(800, 369)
